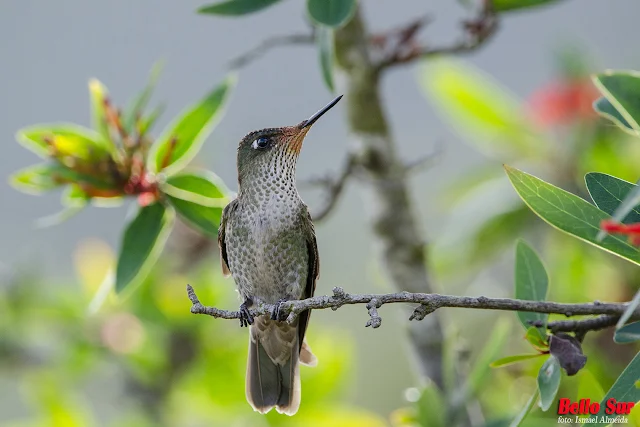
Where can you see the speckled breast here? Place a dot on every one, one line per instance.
(267, 250)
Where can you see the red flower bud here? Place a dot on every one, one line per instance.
(630, 230)
(563, 102)
(145, 199)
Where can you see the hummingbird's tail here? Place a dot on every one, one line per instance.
(273, 374)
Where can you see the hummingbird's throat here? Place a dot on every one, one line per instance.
(295, 143)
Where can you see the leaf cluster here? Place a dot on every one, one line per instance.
(119, 159)
(613, 200)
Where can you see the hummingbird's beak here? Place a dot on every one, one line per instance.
(311, 120)
(300, 131)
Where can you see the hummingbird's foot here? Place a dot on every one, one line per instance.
(246, 318)
(277, 313)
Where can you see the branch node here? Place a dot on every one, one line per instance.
(568, 314)
(338, 298)
(372, 307)
(422, 311)
(339, 293)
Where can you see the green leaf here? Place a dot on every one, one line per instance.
(236, 7)
(74, 196)
(525, 411)
(429, 407)
(536, 338)
(142, 243)
(147, 121)
(548, 382)
(508, 5)
(628, 333)
(40, 178)
(182, 139)
(69, 140)
(510, 360)
(333, 13)
(473, 182)
(532, 283)
(623, 390)
(631, 307)
(491, 349)
(480, 242)
(619, 198)
(199, 198)
(622, 90)
(608, 192)
(628, 204)
(497, 233)
(324, 40)
(607, 110)
(59, 217)
(589, 387)
(484, 112)
(569, 213)
(98, 94)
(139, 103)
(47, 176)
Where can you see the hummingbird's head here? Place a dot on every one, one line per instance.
(271, 154)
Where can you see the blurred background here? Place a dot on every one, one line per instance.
(147, 361)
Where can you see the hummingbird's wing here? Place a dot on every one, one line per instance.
(226, 212)
(313, 271)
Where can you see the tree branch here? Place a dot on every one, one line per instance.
(582, 326)
(407, 49)
(608, 312)
(270, 43)
(424, 162)
(396, 234)
(333, 187)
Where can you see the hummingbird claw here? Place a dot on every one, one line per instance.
(276, 314)
(246, 318)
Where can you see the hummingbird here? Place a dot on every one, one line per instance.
(268, 245)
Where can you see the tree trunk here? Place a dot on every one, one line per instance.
(392, 216)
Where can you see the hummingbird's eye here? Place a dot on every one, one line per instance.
(261, 142)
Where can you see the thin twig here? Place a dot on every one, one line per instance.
(591, 324)
(425, 161)
(269, 43)
(582, 326)
(333, 187)
(372, 307)
(476, 32)
(431, 302)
